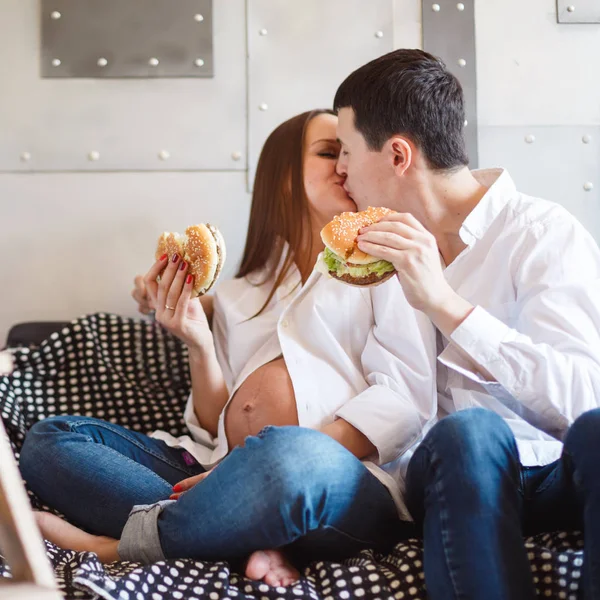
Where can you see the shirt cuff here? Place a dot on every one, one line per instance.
(381, 417)
(480, 336)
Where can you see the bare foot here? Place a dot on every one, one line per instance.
(69, 537)
(272, 567)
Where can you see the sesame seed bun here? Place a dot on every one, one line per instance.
(340, 234)
(202, 247)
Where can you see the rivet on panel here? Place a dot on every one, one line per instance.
(436, 8)
(55, 15)
(153, 62)
(199, 62)
(570, 8)
(198, 18)
(164, 155)
(56, 62)
(586, 139)
(94, 155)
(379, 34)
(588, 186)
(263, 106)
(25, 157)
(530, 138)
(460, 6)
(462, 62)
(236, 155)
(102, 62)
(263, 32)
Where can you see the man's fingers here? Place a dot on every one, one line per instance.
(378, 251)
(387, 239)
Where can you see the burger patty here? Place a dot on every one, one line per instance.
(367, 280)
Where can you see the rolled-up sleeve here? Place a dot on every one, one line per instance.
(399, 366)
(545, 366)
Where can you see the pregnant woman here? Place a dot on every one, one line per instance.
(96, 472)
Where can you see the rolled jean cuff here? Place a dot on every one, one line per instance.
(139, 540)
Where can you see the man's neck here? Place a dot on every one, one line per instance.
(446, 201)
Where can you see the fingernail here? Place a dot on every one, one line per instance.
(173, 497)
(189, 279)
(163, 257)
(175, 257)
(177, 488)
(183, 266)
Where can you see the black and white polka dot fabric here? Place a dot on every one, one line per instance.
(131, 372)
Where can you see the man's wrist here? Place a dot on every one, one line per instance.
(449, 312)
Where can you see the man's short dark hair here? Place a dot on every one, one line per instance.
(411, 93)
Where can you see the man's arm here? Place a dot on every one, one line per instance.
(547, 368)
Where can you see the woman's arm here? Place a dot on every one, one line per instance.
(188, 319)
(209, 391)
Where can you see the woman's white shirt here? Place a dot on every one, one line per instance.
(345, 359)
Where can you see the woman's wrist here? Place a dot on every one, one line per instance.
(200, 349)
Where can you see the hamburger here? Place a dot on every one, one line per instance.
(343, 259)
(202, 247)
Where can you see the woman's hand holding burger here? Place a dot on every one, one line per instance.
(176, 310)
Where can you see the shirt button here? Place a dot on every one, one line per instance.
(285, 323)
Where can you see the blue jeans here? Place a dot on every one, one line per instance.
(475, 502)
(287, 487)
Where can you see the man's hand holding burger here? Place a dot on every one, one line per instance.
(400, 239)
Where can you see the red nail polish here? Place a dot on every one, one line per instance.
(162, 257)
(177, 488)
(183, 266)
(189, 279)
(175, 257)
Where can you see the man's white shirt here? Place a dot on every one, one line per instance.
(530, 350)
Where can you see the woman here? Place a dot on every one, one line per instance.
(233, 395)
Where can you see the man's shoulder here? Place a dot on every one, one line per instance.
(537, 216)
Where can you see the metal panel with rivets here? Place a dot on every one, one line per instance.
(137, 38)
(298, 56)
(578, 11)
(156, 124)
(449, 32)
(558, 163)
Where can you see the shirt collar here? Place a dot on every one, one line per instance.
(501, 189)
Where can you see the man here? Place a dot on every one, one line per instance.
(512, 285)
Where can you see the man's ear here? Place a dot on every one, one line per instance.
(401, 154)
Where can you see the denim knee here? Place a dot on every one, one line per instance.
(469, 441)
(583, 437)
(475, 430)
(39, 443)
(300, 461)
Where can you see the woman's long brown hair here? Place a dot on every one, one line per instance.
(280, 211)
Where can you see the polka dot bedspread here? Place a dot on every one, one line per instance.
(131, 372)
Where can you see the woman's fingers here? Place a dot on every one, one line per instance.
(151, 276)
(187, 484)
(185, 297)
(166, 279)
(177, 286)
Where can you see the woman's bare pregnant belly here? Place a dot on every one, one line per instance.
(265, 398)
